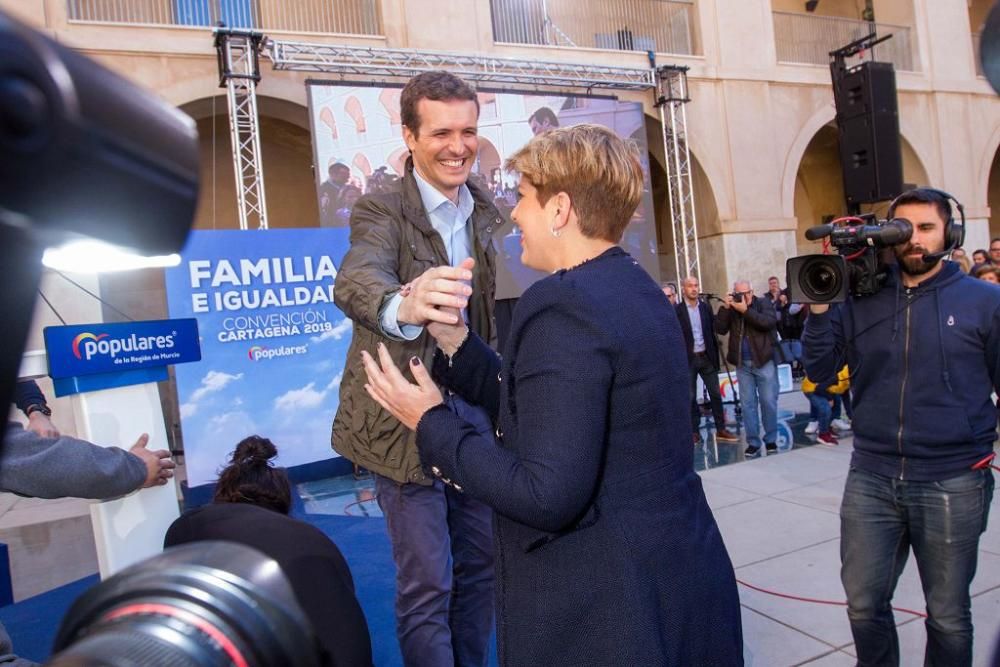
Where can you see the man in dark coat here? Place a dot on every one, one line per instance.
(698, 328)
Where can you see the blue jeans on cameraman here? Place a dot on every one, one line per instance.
(881, 519)
(758, 389)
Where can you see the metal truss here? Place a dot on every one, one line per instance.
(239, 73)
(672, 95)
(366, 62)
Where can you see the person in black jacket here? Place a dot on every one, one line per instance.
(924, 354)
(698, 328)
(751, 323)
(607, 551)
(251, 505)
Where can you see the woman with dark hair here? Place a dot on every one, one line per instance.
(251, 504)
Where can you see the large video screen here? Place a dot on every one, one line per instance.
(358, 148)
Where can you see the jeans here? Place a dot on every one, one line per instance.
(881, 519)
(758, 389)
(701, 365)
(442, 543)
(820, 406)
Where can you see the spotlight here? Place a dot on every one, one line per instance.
(811, 5)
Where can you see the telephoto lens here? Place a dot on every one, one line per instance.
(207, 604)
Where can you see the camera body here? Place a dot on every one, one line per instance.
(856, 269)
(737, 297)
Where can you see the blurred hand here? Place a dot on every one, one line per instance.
(159, 467)
(728, 301)
(783, 300)
(440, 286)
(818, 308)
(741, 306)
(449, 337)
(42, 425)
(406, 401)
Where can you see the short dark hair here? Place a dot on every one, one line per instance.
(543, 115)
(995, 239)
(438, 86)
(249, 478)
(923, 196)
(774, 278)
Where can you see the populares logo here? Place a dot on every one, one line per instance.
(260, 353)
(85, 337)
(87, 345)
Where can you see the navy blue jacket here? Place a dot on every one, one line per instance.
(707, 330)
(606, 550)
(923, 362)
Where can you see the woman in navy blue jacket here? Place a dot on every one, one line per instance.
(607, 551)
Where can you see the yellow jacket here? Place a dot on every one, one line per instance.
(843, 383)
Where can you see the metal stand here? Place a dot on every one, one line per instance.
(239, 73)
(672, 93)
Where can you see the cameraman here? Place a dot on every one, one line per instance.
(925, 356)
(751, 325)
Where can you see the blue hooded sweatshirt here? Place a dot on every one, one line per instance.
(924, 362)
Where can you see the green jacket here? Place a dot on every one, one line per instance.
(393, 242)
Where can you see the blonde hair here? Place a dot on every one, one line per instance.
(599, 171)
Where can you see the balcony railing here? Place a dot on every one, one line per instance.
(662, 26)
(352, 17)
(804, 38)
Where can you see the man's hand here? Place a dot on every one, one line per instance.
(159, 467)
(741, 306)
(783, 299)
(441, 286)
(728, 301)
(406, 401)
(42, 425)
(818, 308)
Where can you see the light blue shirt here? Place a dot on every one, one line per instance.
(694, 314)
(451, 222)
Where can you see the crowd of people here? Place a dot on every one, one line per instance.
(548, 492)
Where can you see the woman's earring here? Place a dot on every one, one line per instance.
(556, 232)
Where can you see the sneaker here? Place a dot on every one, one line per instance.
(827, 438)
(840, 425)
(751, 452)
(722, 435)
(771, 447)
(812, 427)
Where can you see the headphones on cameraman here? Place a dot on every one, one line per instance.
(954, 230)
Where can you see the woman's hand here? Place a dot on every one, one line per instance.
(406, 401)
(449, 337)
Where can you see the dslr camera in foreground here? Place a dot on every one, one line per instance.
(858, 268)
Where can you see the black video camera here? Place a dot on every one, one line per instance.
(857, 268)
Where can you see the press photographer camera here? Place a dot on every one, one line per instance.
(866, 248)
(858, 267)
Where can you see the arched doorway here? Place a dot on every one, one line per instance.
(819, 184)
(706, 213)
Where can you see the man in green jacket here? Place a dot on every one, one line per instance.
(402, 243)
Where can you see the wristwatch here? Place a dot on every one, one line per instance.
(38, 407)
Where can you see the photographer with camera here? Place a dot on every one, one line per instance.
(751, 324)
(925, 356)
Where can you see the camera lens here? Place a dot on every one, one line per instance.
(206, 604)
(821, 279)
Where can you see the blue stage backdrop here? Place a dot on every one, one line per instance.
(273, 343)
